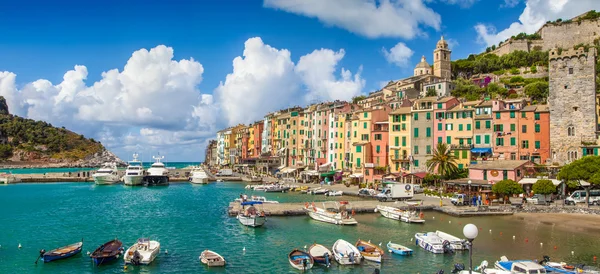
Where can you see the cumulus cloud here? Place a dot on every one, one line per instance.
(535, 14)
(510, 3)
(399, 55)
(461, 3)
(369, 18)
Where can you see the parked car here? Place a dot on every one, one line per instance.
(417, 189)
(460, 199)
(539, 199)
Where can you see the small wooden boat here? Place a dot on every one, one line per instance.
(301, 260)
(301, 188)
(107, 252)
(399, 249)
(345, 253)
(211, 258)
(369, 251)
(61, 252)
(321, 254)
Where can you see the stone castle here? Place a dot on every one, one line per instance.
(572, 100)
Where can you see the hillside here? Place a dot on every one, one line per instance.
(26, 142)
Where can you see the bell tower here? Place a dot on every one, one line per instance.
(441, 60)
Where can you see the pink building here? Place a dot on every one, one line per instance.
(494, 171)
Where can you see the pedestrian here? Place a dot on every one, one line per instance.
(474, 201)
(479, 199)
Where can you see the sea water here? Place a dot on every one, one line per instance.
(188, 219)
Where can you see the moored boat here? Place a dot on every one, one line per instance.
(134, 174)
(61, 252)
(562, 267)
(432, 243)
(345, 253)
(106, 175)
(144, 251)
(211, 258)
(369, 251)
(321, 254)
(334, 193)
(277, 188)
(300, 260)
(198, 176)
(251, 216)
(262, 199)
(332, 212)
(399, 249)
(519, 266)
(107, 252)
(455, 242)
(408, 216)
(158, 174)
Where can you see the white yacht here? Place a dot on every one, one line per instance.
(142, 252)
(157, 174)
(198, 176)
(107, 174)
(331, 212)
(134, 174)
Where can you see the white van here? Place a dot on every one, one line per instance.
(580, 195)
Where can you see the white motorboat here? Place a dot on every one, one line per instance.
(345, 253)
(134, 174)
(455, 242)
(319, 191)
(158, 174)
(432, 243)
(332, 212)
(409, 216)
(211, 258)
(256, 199)
(251, 216)
(107, 174)
(198, 176)
(334, 193)
(518, 266)
(142, 252)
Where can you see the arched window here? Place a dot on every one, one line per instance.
(437, 56)
(445, 58)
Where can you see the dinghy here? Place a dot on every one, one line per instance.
(399, 249)
(321, 254)
(369, 251)
(61, 252)
(107, 252)
(345, 253)
(211, 258)
(301, 260)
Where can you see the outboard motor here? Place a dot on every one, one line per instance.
(545, 259)
(304, 264)
(440, 272)
(326, 256)
(136, 259)
(376, 271)
(351, 257)
(447, 247)
(458, 268)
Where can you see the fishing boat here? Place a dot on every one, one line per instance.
(334, 193)
(251, 216)
(300, 260)
(321, 254)
(107, 252)
(455, 242)
(345, 253)
(369, 251)
(332, 212)
(144, 251)
(61, 252)
(211, 258)
(519, 266)
(262, 199)
(432, 243)
(399, 249)
(408, 216)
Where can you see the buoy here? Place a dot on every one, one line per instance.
(526, 240)
(490, 231)
(380, 244)
(572, 252)
(434, 217)
(20, 245)
(514, 237)
(541, 244)
(411, 239)
(595, 258)
(449, 222)
(125, 267)
(304, 247)
(166, 251)
(375, 210)
(500, 233)
(555, 247)
(88, 253)
(244, 249)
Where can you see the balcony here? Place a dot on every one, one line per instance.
(399, 158)
(461, 146)
(483, 116)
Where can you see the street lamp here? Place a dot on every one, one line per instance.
(469, 183)
(470, 231)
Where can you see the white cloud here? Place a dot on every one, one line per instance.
(399, 55)
(370, 18)
(534, 16)
(452, 43)
(461, 3)
(510, 3)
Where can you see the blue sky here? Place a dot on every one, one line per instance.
(43, 40)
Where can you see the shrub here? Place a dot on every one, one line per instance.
(514, 71)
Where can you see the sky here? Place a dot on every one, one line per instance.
(163, 76)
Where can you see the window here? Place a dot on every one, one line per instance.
(397, 166)
(460, 127)
(428, 149)
(570, 131)
(477, 125)
(512, 114)
(396, 141)
(448, 126)
(378, 137)
(525, 144)
(448, 139)
(377, 149)
(499, 141)
(513, 127)
(456, 154)
(537, 144)
(428, 115)
(498, 128)
(439, 105)
(478, 139)
(416, 151)
(536, 116)
(513, 141)
(570, 70)
(428, 132)
(440, 126)
(523, 114)
(486, 139)
(365, 125)
(403, 117)
(358, 149)
(416, 163)
(354, 134)
(364, 137)
(403, 141)
(357, 162)
(468, 127)
(465, 154)
(416, 117)
(497, 115)
(416, 132)
(488, 124)
(537, 128)
(524, 128)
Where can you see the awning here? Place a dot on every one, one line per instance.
(481, 150)
(310, 173)
(531, 181)
(288, 170)
(356, 175)
(327, 174)
(281, 167)
(389, 177)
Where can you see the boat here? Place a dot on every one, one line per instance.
(7, 178)
(321, 254)
(345, 253)
(134, 174)
(256, 199)
(399, 249)
(277, 188)
(198, 176)
(332, 212)
(369, 251)
(319, 191)
(519, 266)
(455, 242)
(251, 216)
(334, 193)
(144, 251)
(219, 180)
(107, 174)
(107, 252)
(300, 188)
(211, 258)
(431, 242)
(300, 260)
(157, 174)
(61, 252)
(562, 267)
(408, 216)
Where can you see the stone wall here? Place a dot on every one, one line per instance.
(572, 102)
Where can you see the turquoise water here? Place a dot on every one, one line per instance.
(187, 219)
(78, 169)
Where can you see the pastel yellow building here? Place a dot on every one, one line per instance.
(399, 139)
(340, 136)
(361, 130)
(459, 129)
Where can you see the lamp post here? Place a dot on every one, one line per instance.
(470, 231)
(469, 183)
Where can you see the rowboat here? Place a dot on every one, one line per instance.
(345, 253)
(399, 249)
(321, 254)
(107, 252)
(369, 251)
(61, 252)
(301, 260)
(332, 212)
(211, 258)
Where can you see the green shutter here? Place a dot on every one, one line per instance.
(403, 141)
(377, 149)
(537, 128)
(468, 127)
(416, 163)
(357, 161)
(428, 149)
(477, 125)
(358, 149)
(416, 132)
(465, 154)
(512, 114)
(513, 141)
(460, 166)
(365, 125)
(537, 116)
(440, 126)
(497, 115)
(428, 132)
(486, 139)
(488, 124)
(513, 127)
(439, 105)
(456, 154)
(537, 145)
(396, 140)
(460, 127)
(448, 139)
(416, 116)
(478, 139)
(428, 115)
(596, 151)
(439, 140)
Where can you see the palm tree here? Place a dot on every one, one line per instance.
(443, 162)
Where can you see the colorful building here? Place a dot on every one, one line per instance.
(460, 133)
(422, 133)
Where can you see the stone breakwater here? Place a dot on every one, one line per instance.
(558, 209)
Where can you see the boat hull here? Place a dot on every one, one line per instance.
(301, 260)
(332, 218)
(58, 254)
(133, 180)
(398, 249)
(370, 251)
(199, 180)
(346, 258)
(423, 243)
(455, 242)
(255, 221)
(146, 257)
(156, 180)
(105, 260)
(106, 180)
(107, 252)
(400, 215)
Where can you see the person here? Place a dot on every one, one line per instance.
(474, 200)
(322, 182)
(479, 199)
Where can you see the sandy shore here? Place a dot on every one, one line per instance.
(567, 221)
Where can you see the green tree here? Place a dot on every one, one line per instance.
(430, 92)
(533, 69)
(537, 91)
(544, 187)
(584, 169)
(507, 188)
(442, 162)
(5, 151)
(358, 98)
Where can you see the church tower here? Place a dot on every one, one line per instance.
(441, 60)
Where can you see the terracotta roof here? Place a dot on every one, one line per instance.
(542, 108)
(401, 110)
(445, 99)
(529, 108)
(486, 104)
(499, 164)
(471, 103)
(417, 174)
